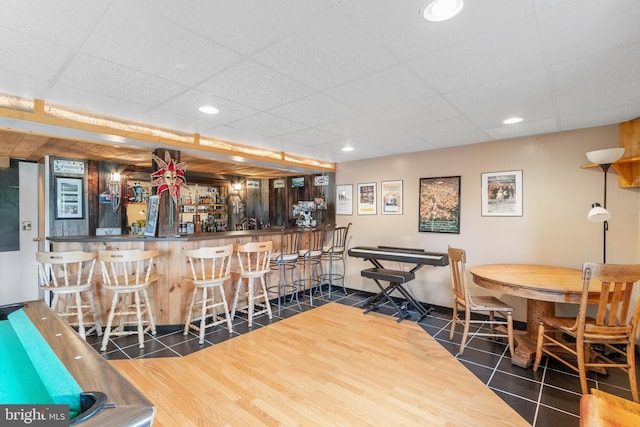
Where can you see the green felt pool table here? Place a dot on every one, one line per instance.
(46, 362)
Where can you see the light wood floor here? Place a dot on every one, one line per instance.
(332, 365)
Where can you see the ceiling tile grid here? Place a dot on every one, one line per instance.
(311, 76)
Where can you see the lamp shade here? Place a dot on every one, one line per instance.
(598, 213)
(606, 156)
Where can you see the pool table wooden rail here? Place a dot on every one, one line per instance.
(91, 371)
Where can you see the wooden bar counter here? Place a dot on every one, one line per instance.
(170, 296)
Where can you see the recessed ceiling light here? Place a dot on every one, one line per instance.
(512, 120)
(208, 109)
(348, 148)
(441, 10)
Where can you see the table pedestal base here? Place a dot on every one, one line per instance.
(525, 351)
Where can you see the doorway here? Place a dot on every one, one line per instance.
(19, 276)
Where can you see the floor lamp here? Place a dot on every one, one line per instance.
(604, 159)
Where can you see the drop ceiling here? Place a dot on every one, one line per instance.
(308, 77)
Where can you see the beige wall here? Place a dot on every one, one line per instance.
(557, 194)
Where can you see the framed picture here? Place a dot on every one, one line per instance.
(502, 193)
(367, 199)
(344, 199)
(439, 205)
(69, 198)
(391, 196)
(321, 180)
(152, 216)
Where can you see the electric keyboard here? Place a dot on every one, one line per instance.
(391, 253)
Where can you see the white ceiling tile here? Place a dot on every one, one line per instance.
(447, 130)
(329, 52)
(577, 28)
(64, 22)
(612, 67)
(187, 104)
(95, 102)
(388, 88)
(255, 85)
(362, 125)
(307, 76)
(493, 116)
(161, 48)
(35, 57)
(244, 26)
(20, 84)
(512, 48)
(512, 92)
(600, 118)
(529, 127)
(310, 137)
(600, 98)
(428, 110)
(400, 27)
(267, 124)
(109, 79)
(314, 110)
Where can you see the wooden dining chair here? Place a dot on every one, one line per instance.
(614, 326)
(464, 301)
(210, 269)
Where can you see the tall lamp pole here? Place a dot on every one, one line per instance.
(604, 159)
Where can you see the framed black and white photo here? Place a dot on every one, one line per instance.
(502, 193)
(344, 199)
(391, 197)
(367, 199)
(152, 216)
(439, 205)
(69, 198)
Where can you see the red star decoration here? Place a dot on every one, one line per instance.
(176, 178)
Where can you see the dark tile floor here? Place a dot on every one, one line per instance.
(549, 397)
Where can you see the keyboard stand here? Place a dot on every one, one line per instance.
(396, 281)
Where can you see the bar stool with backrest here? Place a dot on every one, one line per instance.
(463, 300)
(335, 251)
(285, 262)
(210, 269)
(608, 288)
(127, 275)
(310, 257)
(253, 266)
(69, 277)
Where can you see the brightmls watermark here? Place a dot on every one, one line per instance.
(34, 415)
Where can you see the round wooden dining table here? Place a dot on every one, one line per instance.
(542, 286)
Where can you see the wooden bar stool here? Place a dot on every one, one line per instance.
(335, 251)
(69, 278)
(253, 263)
(127, 274)
(285, 262)
(210, 268)
(311, 260)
